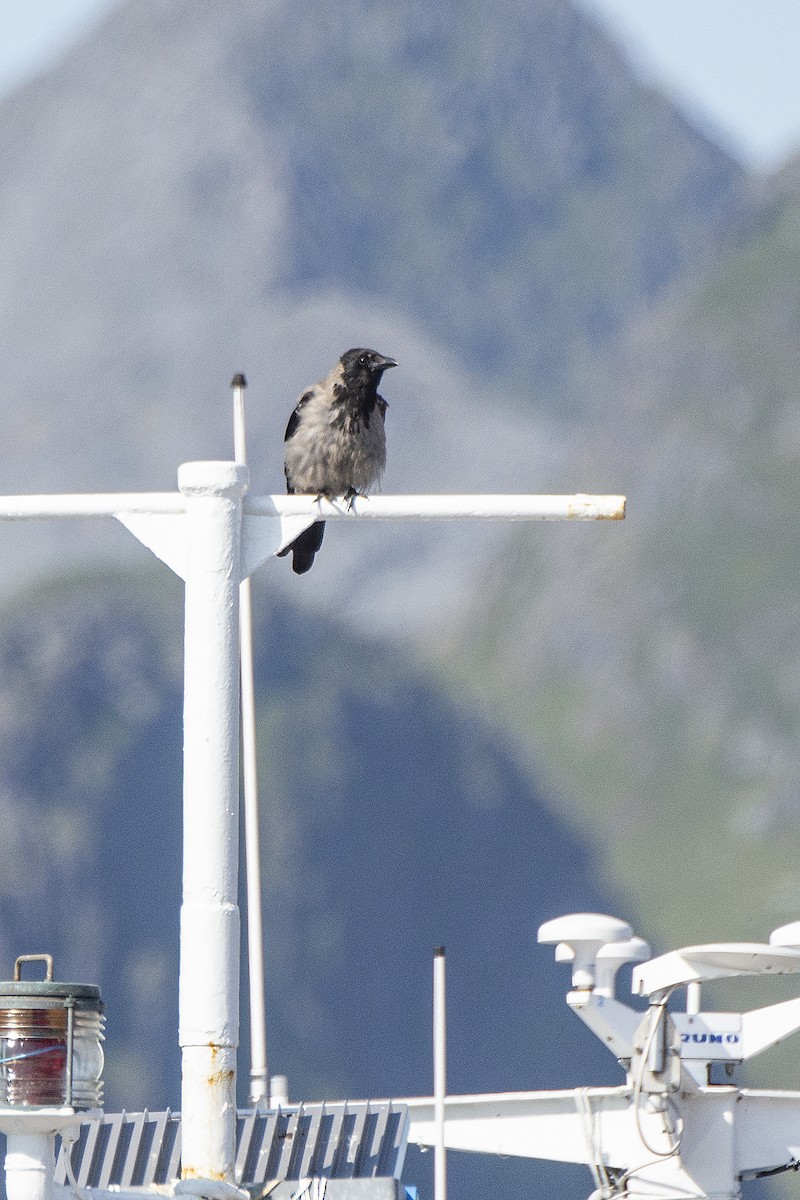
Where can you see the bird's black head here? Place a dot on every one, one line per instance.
(363, 368)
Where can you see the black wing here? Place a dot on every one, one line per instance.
(294, 419)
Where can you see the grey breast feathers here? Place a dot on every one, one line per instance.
(332, 448)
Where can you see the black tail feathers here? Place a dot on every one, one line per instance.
(305, 546)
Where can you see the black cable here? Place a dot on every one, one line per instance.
(794, 1165)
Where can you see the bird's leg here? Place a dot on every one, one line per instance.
(350, 495)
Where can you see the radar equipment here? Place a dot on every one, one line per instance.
(668, 1130)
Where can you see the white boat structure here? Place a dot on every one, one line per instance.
(667, 1132)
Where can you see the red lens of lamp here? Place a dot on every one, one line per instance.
(35, 1070)
(33, 1056)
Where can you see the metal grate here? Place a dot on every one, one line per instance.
(354, 1140)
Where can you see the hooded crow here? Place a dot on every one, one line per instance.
(335, 441)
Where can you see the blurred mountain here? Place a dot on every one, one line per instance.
(200, 189)
(395, 821)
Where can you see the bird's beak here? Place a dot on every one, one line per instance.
(385, 363)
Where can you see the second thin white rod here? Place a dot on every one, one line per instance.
(439, 1074)
(259, 1076)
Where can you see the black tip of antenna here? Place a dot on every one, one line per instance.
(438, 952)
(239, 380)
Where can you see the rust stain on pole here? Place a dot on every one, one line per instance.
(589, 505)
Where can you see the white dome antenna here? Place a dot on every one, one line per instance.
(584, 934)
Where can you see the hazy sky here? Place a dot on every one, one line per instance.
(733, 63)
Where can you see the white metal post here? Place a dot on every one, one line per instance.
(439, 1073)
(30, 1159)
(209, 970)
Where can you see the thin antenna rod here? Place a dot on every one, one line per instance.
(259, 1076)
(439, 1073)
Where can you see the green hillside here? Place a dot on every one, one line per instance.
(652, 669)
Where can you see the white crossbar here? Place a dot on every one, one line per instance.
(578, 507)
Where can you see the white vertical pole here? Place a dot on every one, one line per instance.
(439, 1073)
(259, 1074)
(209, 969)
(29, 1165)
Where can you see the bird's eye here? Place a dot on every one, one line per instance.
(363, 360)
